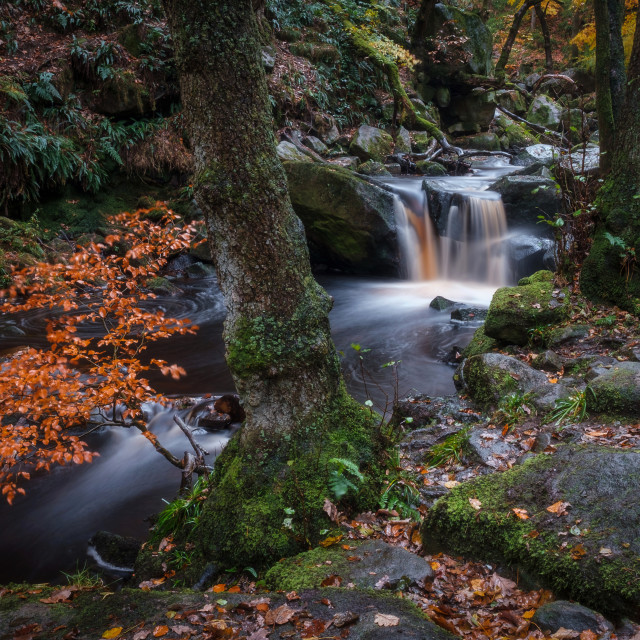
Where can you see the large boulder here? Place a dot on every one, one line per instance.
(287, 151)
(546, 112)
(616, 390)
(544, 154)
(470, 112)
(364, 564)
(586, 547)
(514, 311)
(528, 253)
(350, 223)
(466, 40)
(370, 143)
(525, 198)
(488, 377)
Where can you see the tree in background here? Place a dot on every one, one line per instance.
(609, 272)
(278, 344)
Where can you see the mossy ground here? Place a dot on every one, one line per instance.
(570, 564)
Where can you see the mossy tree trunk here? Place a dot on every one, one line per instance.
(277, 337)
(610, 75)
(610, 271)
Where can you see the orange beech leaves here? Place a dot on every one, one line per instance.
(45, 393)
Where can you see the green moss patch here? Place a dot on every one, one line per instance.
(590, 553)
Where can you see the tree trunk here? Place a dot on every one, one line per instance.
(610, 75)
(277, 337)
(544, 27)
(511, 37)
(609, 273)
(421, 25)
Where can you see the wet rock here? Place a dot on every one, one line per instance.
(349, 222)
(585, 161)
(316, 144)
(488, 377)
(113, 549)
(482, 141)
(545, 112)
(416, 445)
(393, 168)
(469, 314)
(561, 613)
(440, 304)
(372, 168)
(287, 151)
(617, 390)
(587, 546)
(347, 162)
(421, 141)
(10, 328)
(374, 564)
(324, 125)
(491, 450)
(514, 311)
(544, 154)
(570, 333)
(230, 404)
(429, 168)
(403, 141)
(525, 198)
(549, 361)
(512, 100)
(200, 270)
(528, 253)
(370, 143)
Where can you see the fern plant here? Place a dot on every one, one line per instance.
(401, 492)
(345, 476)
(42, 89)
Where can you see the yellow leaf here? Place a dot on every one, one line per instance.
(112, 633)
(521, 513)
(527, 615)
(327, 542)
(475, 503)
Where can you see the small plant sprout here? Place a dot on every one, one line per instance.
(573, 408)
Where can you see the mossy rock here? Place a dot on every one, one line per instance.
(591, 553)
(370, 143)
(546, 112)
(617, 390)
(371, 168)
(488, 377)
(90, 614)
(349, 222)
(514, 311)
(429, 168)
(316, 52)
(420, 141)
(122, 96)
(130, 37)
(288, 152)
(362, 564)
(519, 136)
(480, 343)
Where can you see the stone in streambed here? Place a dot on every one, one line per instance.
(372, 564)
(552, 616)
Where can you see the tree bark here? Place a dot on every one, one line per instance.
(544, 27)
(609, 273)
(421, 25)
(278, 343)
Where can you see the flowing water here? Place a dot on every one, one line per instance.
(47, 530)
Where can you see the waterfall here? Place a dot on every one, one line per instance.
(473, 229)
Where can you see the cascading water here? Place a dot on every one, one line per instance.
(471, 246)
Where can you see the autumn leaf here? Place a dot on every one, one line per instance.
(114, 632)
(527, 615)
(160, 630)
(281, 615)
(521, 513)
(330, 540)
(60, 596)
(218, 588)
(588, 635)
(142, 634)
(331, 581)
(386, 620)
(331, 510)
(475, 503)
(578, 552)
(559, 508)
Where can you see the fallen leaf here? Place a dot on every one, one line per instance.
(475, 503)
(114, 632)
(218, 588)
(61, 595)
(521, 513)
(578, 552)
(260, 634)
(527, 615)
(331, 581)
(565, 634)
(343, 619)
(559, 508)
(386, 620)
(327, 542)
(281, 615)
(588, 635)
(235, 589)
(180, 629)
(141, 635)
(160, 630)
(331, 510)
(450, 484)
(292, 595)
(605, 551)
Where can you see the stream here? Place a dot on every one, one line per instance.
(46, 531)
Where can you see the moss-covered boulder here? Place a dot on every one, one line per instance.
(350, 223)
(616, 390)
(514, 311)
(122, 95)
(370, 143)
(288, 152)
(480, 343)
(90, 614)
(587, 547)
(512, 100)
(363, 564)
(545, 112)
(482, 141)
(488, 377)
(429, 168)
(372, 168)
